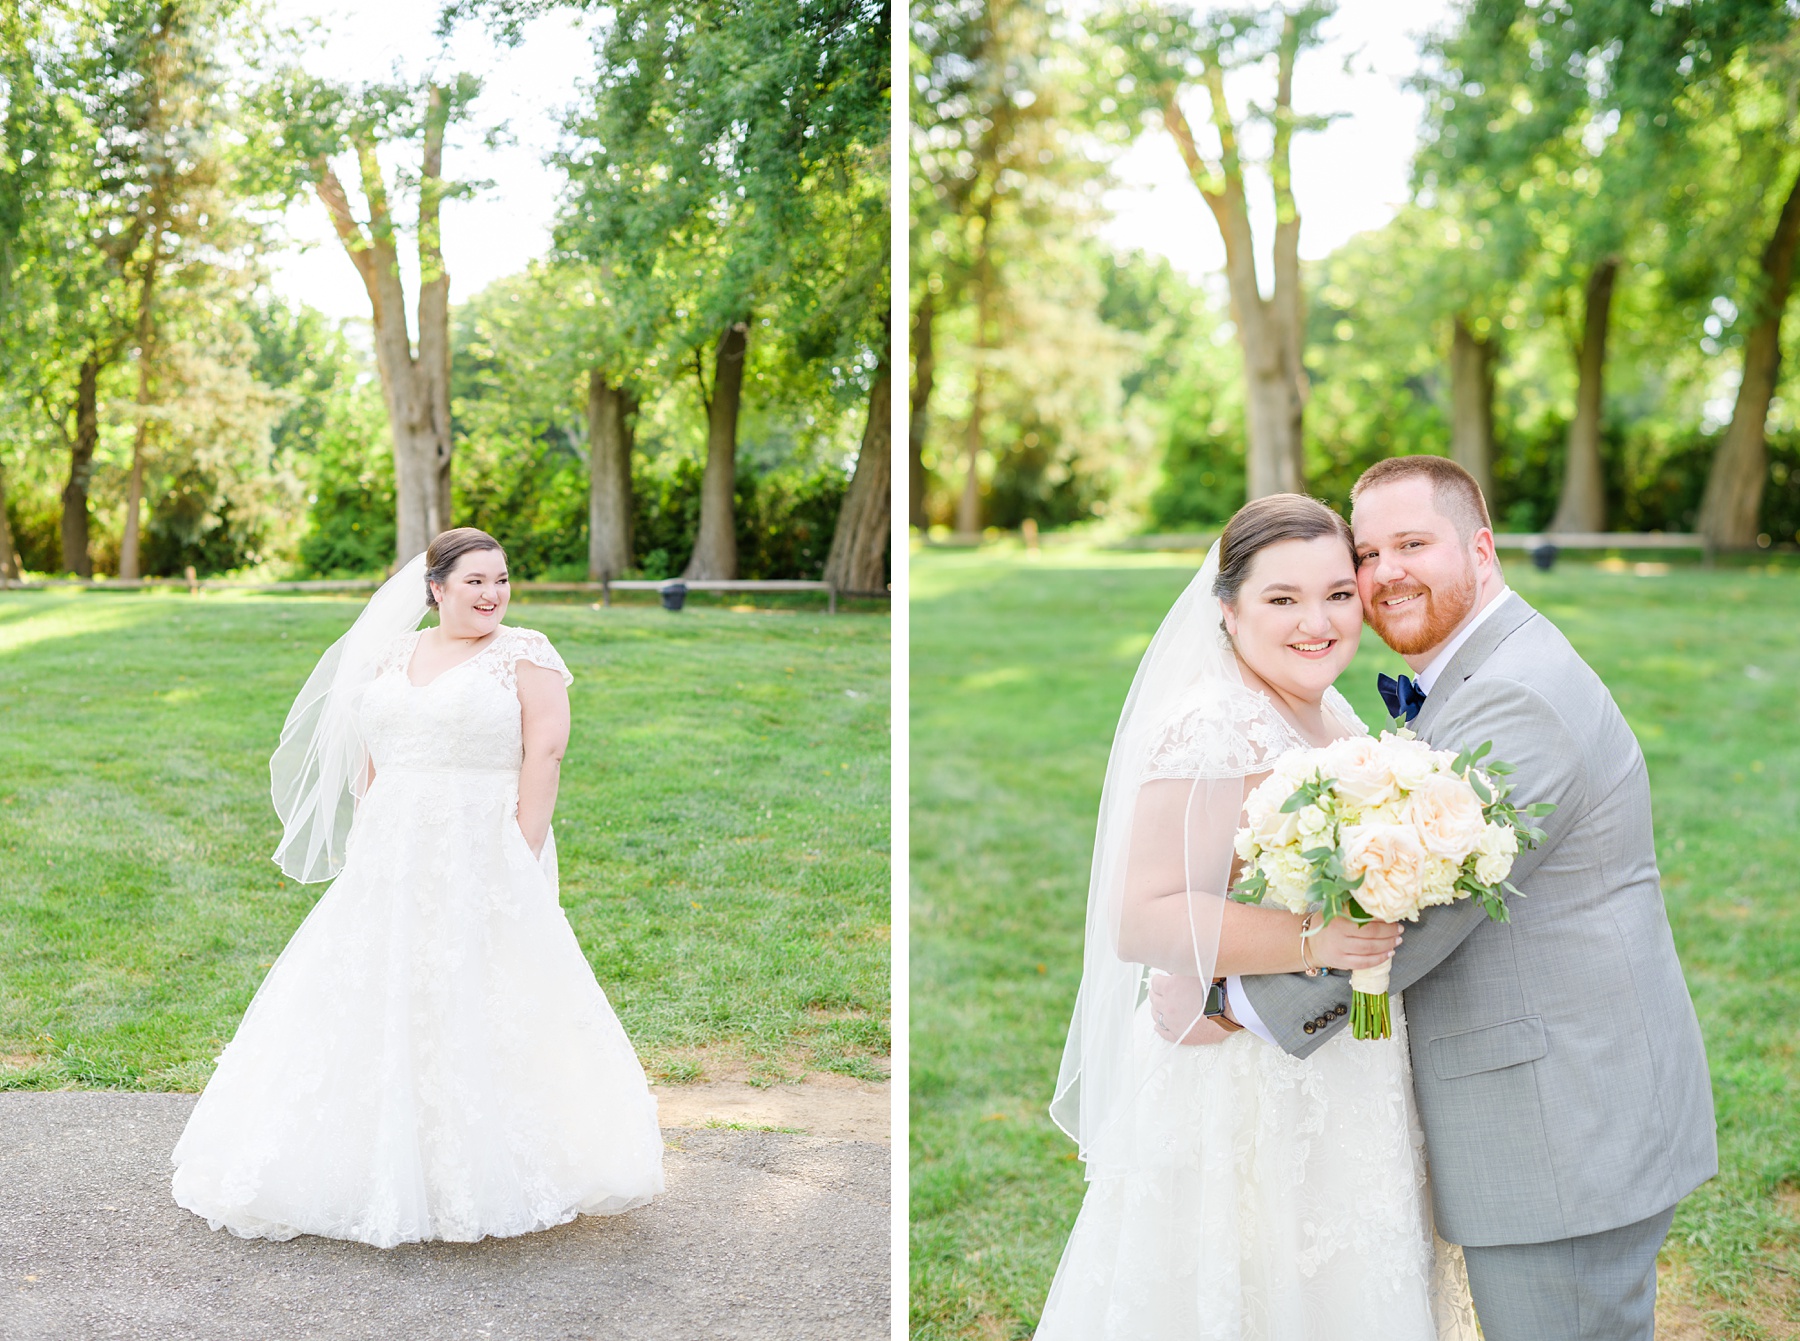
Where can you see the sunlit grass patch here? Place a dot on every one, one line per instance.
(722, 828)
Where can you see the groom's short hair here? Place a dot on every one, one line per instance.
(1453, 489)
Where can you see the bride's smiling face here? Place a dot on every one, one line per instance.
(472, 599)
(1297, 617)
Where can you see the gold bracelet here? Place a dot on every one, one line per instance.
(1311, 970)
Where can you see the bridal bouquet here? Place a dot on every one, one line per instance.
(1368, 828)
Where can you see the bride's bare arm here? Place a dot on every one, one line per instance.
(1173, 844)
(544, 710)
(1179, 862)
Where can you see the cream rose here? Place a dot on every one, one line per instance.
(1360, 767)
(1391, 861)
(1494, 855)
(1411, 761)
(1447, 814)
(1294, 768)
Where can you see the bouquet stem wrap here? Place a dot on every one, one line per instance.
(1370, 1015)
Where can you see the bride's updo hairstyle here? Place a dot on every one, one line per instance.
(441, 556)
(1269, 521)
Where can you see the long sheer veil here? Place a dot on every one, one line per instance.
(320, 768)
(1162, 863)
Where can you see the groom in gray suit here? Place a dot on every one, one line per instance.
(1561, 1080)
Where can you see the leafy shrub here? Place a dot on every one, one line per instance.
(785, 522)
(532, 496)
(192, 526)
(351, 531)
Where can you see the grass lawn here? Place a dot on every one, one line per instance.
(722, 829)
(1019, 669)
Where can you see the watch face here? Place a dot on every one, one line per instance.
(1215, 1000)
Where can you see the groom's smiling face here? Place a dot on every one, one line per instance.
(1417, 575)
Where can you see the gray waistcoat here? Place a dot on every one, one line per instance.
(1561, 1079)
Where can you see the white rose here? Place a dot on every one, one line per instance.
(1360, 768)
(1278, 829)
(1245, 844)
(1391, 862)
(1447, 814)
(1494, 855)
(1313, 824)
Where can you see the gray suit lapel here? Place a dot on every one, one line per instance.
(1496, 629)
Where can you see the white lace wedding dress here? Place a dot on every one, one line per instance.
(430, 1057)
(1281, 1199)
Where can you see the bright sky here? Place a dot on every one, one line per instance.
(1347, 178)
(504, 227)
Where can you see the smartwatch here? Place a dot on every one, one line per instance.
(1215, 1000)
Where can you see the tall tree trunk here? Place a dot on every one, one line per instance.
(134, 506)
(1472, 404)
(1731, 509)
(162, 71)
(609, 411)
(9, 556)
(865, 520)
(416, 390)
(715, 548)
(1270, 331)
(81, 469)
(1288, 302)
(968, 505)
(140, 441)
(433, 365)
(1583, 504)
(924, 369)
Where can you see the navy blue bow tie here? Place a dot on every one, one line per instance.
(1402, 696)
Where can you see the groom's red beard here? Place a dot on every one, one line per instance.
(1445, 608)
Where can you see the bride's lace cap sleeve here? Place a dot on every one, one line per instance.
(530, 645)
(1233, 734)
(396, 654)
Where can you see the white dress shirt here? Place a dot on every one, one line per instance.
(1241, 1009)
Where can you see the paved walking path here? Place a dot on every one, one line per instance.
(760, 1235)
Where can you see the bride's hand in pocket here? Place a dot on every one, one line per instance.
(1344, 944)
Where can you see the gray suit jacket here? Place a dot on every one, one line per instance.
(1561, 1080)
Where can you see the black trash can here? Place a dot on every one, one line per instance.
(674, 595)
(1544, 556)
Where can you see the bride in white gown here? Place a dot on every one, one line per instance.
(430, 1057)
(1236, 1193)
